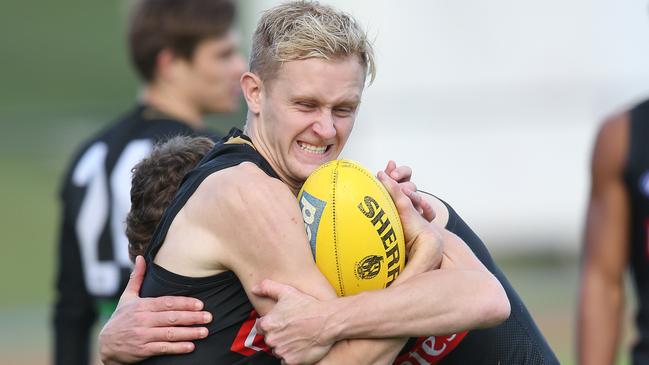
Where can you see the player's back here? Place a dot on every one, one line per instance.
(515, 341)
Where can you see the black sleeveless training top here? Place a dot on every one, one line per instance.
(515, 341)
(636, 177)
(232, 338)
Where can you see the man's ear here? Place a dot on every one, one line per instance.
(251, 85)
(166, 64)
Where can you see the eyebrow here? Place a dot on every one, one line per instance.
(351, 102)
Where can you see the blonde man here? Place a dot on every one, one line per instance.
(235, 224)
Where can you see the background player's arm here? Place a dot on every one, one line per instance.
(606, 248)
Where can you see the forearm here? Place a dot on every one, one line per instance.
(600, 310)
(432, 303)
(364, 352)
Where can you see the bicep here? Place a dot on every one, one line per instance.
(266, 239)
(606, 233)
(606, 246)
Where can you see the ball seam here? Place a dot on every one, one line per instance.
(335, 236)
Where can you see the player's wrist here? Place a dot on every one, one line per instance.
(339, 312)
(348, 317)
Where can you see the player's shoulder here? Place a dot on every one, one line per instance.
(611, 143)
(614, 126)
(241, 185)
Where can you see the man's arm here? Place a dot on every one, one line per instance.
(467, 296)
(144, 327)
(605, 254)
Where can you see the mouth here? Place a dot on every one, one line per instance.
(314, 149)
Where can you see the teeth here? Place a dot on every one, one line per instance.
(313, 149)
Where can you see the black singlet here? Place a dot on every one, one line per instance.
(636, 177)
(232, 339)
(515, 341)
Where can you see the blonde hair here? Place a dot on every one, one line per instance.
(299, 30)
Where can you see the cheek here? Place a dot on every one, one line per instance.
(344, 129)
(212, 73)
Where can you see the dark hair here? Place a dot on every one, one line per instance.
(179, 25)
(155, 182)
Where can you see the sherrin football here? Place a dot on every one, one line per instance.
(353, 227)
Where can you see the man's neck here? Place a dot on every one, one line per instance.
(173, 106)
(264, 151)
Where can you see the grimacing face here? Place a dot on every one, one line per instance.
(212, 74)
(306, 113)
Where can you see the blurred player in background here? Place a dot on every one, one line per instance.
(187, 56)
(301, 104)
(617, 238)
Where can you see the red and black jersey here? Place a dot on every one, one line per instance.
(93, 261)
(636, 177)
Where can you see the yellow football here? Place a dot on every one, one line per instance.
(353, 227)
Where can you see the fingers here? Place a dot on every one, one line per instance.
(427, 209)
(174, 318)
(408, 185)
(173, 334)
(270, 289)
(422, 205)
(390, 166)
(264, 325)
(171, 303)
(166, 348)
(401, 174)
(401, 201)
(135, 281)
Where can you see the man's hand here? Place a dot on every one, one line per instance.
(424, 240)
(295, 327)
(402, 175)
(144, 327)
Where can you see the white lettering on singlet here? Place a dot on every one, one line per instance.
(420, 360)
(103, 277)
(250, 339)
(120, 185)
(429, 347)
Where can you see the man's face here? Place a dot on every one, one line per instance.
(307, 111)
(210, 80)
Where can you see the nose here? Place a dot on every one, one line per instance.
(325, 125)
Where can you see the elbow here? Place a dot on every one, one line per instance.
(496, 308)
